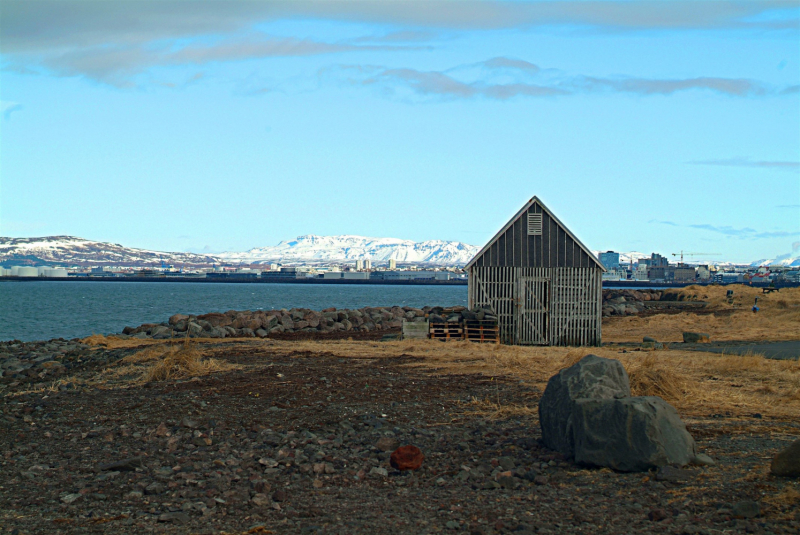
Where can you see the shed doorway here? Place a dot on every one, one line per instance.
(533, 299)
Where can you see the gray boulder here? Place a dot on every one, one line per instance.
(175, 318)
(787, 462)
(694, 338)
(592, 377)
(630, 434)
(194, 329)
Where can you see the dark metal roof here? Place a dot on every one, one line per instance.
(534, 201)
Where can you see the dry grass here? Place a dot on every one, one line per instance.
(163, 362)
(778, 318)
(180, 362)
(112, 342)
(652, 376)
(697, 384)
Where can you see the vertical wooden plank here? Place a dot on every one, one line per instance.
(584, 312)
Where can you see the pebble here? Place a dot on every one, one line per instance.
(746, 509)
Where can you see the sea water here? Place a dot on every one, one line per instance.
(40, 310)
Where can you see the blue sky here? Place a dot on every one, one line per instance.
(647, 126)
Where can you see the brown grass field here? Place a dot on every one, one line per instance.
(777, 319)
(698, 384)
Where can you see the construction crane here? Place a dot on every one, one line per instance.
(687, 253)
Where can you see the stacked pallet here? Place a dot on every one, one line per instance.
(482, 331)
(459, 323)
(446, 331)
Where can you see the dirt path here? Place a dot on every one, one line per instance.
(299, 443)
(789, 350)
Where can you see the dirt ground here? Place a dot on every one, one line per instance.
(270, 436)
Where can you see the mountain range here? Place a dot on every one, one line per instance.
(307, 249)
(311, 248)
(74, 251)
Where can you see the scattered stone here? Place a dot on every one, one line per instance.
(696, 338)
(191, 424)
(701, 459)
(261, 500)
(406, 458)
(376, 471)
(787, 462)
(125, 465)
(70, 498)
(657, 515)
(177, 517)
(154, 488)
(673, 475)
(746, 509)
(387, 444)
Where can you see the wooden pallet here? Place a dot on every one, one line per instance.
(482, 331)
(446, 331)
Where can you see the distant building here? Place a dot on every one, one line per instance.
(656, 260)
(284, 273)
(615, 275)
(657, 273)
(392, 263)
(728, 278)
(610, 260)
(641, 273)
(684, 273)
(792, 276)
(367, 264)
(359, 265)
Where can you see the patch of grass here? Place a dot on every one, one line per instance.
(649, 376)
(491, 410)
(695, 383)
(162, 361)
(180, 362)
(777, 319)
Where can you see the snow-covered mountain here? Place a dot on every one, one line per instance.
(788, 260)
(72, 251)
(311, 248)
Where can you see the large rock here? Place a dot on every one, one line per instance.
(194, 329)
(695, 338)
(175, 318)
(787, 462)
(592, 377)
(630, 434)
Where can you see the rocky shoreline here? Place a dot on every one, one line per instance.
(264, 323)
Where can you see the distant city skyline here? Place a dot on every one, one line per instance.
(646, 126)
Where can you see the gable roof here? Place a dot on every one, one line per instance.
(535, 200)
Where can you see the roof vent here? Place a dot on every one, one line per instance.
(534, 224)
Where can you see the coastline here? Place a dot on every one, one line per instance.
(631, 285)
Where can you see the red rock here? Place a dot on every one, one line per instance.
(406, 458)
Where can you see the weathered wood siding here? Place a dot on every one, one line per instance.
(541, 306)
(554, 248)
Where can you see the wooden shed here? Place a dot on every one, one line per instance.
(544, 285)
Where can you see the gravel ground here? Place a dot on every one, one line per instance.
(292, 443)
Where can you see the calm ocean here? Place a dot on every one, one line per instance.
(40, 310)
